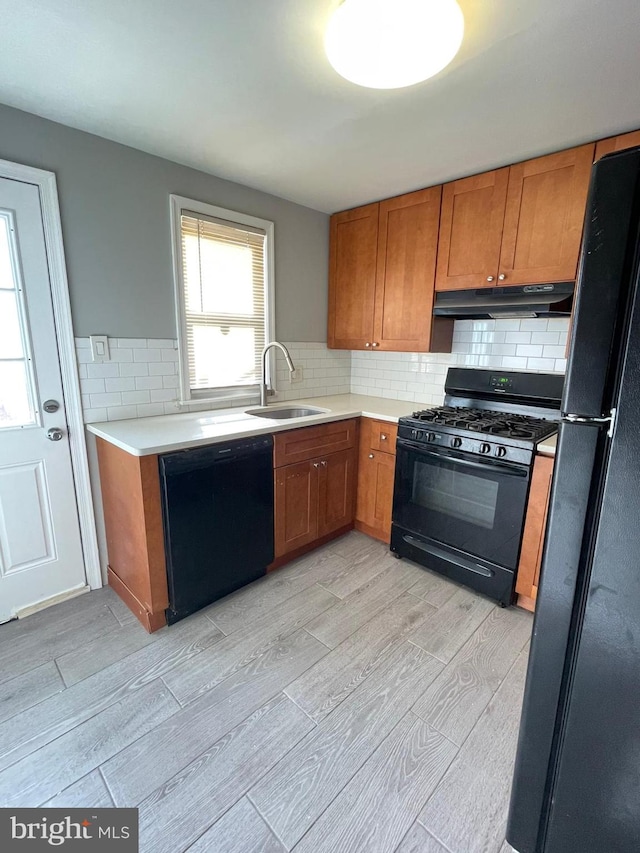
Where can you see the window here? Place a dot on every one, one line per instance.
(222, 275)
(16, 379)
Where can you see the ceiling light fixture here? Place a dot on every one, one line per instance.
(388, 44)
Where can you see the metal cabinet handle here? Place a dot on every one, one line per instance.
(374, 344)
(316, 464)
(371, 456)
(489, 278)
(383, 437)
(324, 463)
(54, 434)
(501, 277)
(367, 344)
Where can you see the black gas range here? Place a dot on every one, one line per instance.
(463, 472)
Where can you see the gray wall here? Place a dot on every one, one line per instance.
(114, 204)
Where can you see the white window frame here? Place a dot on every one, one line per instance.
(224, 397)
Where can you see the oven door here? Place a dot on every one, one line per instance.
(475, 506)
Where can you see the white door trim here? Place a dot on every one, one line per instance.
(47, 186)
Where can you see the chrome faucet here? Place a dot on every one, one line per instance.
(263, 383)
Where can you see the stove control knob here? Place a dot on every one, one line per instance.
(485, 448)
(456, 441)
(501, 451)
(431, 436)
(414, 433)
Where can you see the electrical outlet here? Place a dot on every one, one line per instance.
(99, 348)
(296, 375)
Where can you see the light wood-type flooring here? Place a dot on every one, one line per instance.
(348, 702)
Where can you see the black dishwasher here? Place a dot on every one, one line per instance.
(217, 504)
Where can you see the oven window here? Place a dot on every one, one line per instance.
(456, 494)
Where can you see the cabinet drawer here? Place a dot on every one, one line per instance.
(298, 445)
(383, 436)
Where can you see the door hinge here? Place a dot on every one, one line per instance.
(583, 419)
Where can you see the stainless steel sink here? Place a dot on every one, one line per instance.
(285, 413)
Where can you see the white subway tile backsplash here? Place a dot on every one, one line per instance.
(541, 364)
(142, 380)
(92, 386)
(147, 383)
(161, 368)
(126, 383)
(545, 337)
(100, 400)
(102, 371)
(530, 350)
(554, 351)
(132, 398)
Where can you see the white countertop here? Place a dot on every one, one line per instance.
(145, 436)
(548, 446)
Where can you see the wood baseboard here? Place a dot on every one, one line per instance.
(150, 621)
(299, 552)
(372, 531)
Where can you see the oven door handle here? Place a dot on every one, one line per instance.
(510, 470)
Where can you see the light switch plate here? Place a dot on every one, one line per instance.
(296, 375)
(99, 348)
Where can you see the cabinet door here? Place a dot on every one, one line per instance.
(405, 278)
(376, 471)
(546, 204)
(534, 528)
(352, 277)
(296, 507)
(617, 143)
(471, 231)
(336, 491)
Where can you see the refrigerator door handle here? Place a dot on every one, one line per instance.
(581, 419)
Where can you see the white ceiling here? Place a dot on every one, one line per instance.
(242, 89)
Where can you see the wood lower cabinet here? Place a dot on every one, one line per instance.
(381, 276)
(296, 507)
(315, 497)
(376, 472)
(534, 530)
(135, 539)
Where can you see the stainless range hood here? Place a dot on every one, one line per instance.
(529, 300)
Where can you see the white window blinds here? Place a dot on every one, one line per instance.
(224, 278)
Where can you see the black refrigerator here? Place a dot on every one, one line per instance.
(576, 785)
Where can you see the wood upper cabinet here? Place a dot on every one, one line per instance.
(376, 472)
(405, 274)
(545, 208)
(381, 276)
(534, 529)
(471, 223)
(518, 225)
(617, 143)
(353, 248)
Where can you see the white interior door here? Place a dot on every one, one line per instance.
(40, 547)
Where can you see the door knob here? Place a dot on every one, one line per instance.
(489, 278)
(54, 434)
(51, 406)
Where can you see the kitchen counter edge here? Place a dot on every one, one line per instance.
(166, 433)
